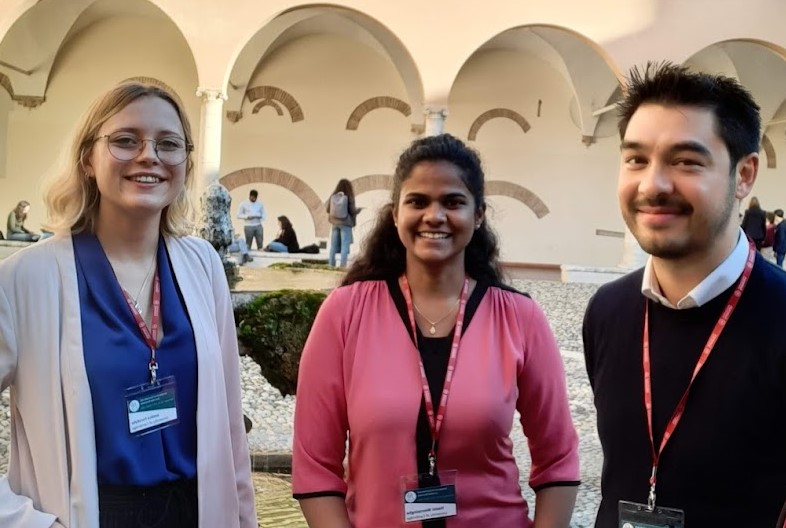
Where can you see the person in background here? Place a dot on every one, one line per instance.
(769, 237)
(754, 223)
(421, 358)
(125, 384)
(686, 356)
(342, 215)
(239, 246)
(779, 239)
(286, 241)
(15, 225)
(252, 212)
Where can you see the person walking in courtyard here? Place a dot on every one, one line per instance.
(118, 342)
(342, 215)
(421, 359)
(779, 239)
(754, 223)
(286, 241)
(252, 212)
(15, 226)
(686, 356)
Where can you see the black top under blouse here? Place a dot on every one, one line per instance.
(435, 354)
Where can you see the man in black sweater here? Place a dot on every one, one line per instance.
(702, 325)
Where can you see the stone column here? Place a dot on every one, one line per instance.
(633, 257)
(209, 144)
(435, 120)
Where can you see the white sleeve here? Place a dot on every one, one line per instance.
(227, 336)
(241, 212)
(16, 511)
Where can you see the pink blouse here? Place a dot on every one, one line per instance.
(360, 376)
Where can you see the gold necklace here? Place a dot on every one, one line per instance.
(433, 329)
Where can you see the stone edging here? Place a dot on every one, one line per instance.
(275, 462)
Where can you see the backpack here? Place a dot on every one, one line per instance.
(339, 206)
(311, 248)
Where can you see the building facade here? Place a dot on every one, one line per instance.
(288, 97)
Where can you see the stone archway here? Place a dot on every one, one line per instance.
(301, 189)
(371, 182)
(519, 193)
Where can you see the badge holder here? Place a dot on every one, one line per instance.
(152, 406)
(424, 503)
(634, 515)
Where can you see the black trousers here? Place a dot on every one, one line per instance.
(167, 505)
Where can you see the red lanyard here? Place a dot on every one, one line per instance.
(435, 423)
(151, 334)
(705, 354)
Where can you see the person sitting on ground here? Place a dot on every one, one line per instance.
(16, 224)
(238, 245)
(286, 241)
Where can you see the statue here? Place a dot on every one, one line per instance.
(215, 225)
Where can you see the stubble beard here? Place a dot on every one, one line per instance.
(697, 240)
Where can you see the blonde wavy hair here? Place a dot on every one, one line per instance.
(72, 197)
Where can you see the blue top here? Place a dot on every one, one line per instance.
(116, 358)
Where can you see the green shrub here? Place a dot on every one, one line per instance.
(273, 329)
(305, 265)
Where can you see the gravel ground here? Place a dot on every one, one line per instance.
(564, 306)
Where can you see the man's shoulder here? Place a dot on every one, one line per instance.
(771, 278)
(618, 293)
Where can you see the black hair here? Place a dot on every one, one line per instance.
(253, 193)
(779, 213)
(285, 223)
(384, 256)
(737, 119)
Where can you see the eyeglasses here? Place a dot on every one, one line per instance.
(171, 150)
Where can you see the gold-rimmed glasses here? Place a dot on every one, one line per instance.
(123, 146)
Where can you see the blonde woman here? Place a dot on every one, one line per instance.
(118, 341)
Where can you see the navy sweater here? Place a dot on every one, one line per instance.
(725, 465)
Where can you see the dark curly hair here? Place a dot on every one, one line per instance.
(384, 256)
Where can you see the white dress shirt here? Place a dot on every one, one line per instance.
(253, 213)
(713, 284)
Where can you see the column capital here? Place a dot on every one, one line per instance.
(435, 120)
(435, 111)
(211, 94)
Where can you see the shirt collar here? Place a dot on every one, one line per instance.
(713, 284)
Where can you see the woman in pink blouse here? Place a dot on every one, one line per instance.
(419, 360)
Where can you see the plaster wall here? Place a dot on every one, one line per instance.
(329, 76)
(577, 183)
(89, 63)
(5, 110)
(770, 186)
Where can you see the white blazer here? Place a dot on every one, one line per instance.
(52, 475)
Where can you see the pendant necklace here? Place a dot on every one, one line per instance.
(144, 282)
(433, 329)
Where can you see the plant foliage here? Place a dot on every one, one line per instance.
(273, 328)
(297, 266)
